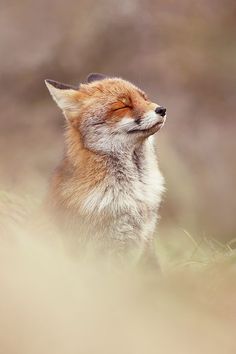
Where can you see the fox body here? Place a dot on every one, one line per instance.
(108, 186)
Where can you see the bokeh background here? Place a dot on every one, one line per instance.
(182, 53)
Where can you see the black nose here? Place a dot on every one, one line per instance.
(161, 111)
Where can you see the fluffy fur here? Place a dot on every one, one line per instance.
(108, 186)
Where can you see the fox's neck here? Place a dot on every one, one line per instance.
(79, 156)
(82, 171)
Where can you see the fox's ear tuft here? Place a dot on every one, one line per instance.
(66, 96)
(95, 77)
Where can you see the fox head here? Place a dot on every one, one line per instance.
(109, 114)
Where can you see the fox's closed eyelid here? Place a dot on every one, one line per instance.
(118, 108)
(120, 105)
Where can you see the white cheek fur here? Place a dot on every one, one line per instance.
(149, 119)
(125, 124)
(105, 140)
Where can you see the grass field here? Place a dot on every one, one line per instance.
(52, 302)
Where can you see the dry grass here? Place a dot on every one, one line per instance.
(51, 302)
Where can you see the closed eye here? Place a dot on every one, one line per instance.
(117, 109)
(120, 105)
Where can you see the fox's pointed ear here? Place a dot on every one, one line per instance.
(95, 77)
(65, 96)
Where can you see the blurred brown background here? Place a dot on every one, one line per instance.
(183, 54)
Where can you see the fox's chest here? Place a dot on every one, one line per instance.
(126, 208)
(128, 191)
(123, 205)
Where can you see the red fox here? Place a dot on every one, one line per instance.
(108, 186)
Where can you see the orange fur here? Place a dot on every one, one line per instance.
(88, 167)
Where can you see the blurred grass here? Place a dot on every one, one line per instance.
(176, 247)
(54, 303)
(183, 250)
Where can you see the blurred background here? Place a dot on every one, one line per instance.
(183, 54)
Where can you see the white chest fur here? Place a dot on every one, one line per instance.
(130, 194)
